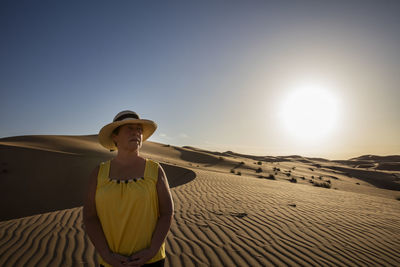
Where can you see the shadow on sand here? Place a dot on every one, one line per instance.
(34, 181)
(177, 175)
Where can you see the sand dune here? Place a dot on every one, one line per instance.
(221, 218)
(62, 144)
(390, 163)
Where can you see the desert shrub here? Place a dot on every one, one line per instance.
(259, 163)
(259, 170)
(239, 173)
(311, 169)
(232, 171)
(312, 177)
(277, 169)
(323, 184)
(293, 168)
(271, 177)
(241, 163)
(320, 177)
(288, 174)
(293, 180)
(329, 181)
(303, 178)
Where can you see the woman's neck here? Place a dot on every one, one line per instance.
(128, 157)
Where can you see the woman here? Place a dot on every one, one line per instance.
(128, 209)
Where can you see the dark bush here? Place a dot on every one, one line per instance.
(324, 185)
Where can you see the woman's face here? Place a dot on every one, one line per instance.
(129, 137)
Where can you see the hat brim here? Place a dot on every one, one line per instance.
(105, 134)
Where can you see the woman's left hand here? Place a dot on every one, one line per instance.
(140, 257)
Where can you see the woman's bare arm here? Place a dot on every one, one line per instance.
(166, 207)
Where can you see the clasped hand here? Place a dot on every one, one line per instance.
(137, 259)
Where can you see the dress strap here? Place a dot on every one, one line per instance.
(151, 170)
(104, 171)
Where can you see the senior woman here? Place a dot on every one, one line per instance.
(128, 209)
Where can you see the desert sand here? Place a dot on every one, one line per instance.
(230, 209)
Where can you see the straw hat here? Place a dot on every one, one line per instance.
(122, 118)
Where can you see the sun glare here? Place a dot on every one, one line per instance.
(309, 113)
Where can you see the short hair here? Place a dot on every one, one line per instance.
(116, 131)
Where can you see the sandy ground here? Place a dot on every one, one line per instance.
(221, 218)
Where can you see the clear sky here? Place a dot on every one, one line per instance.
(257, 77)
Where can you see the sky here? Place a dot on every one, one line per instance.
(270, 78)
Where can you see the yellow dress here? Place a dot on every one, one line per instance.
(128, 211)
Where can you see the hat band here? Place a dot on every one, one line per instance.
(126, 116)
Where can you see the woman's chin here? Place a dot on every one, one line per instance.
(133, 146)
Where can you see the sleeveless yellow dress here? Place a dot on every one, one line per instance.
(128, 211)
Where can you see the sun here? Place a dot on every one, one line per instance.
(309, 113)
